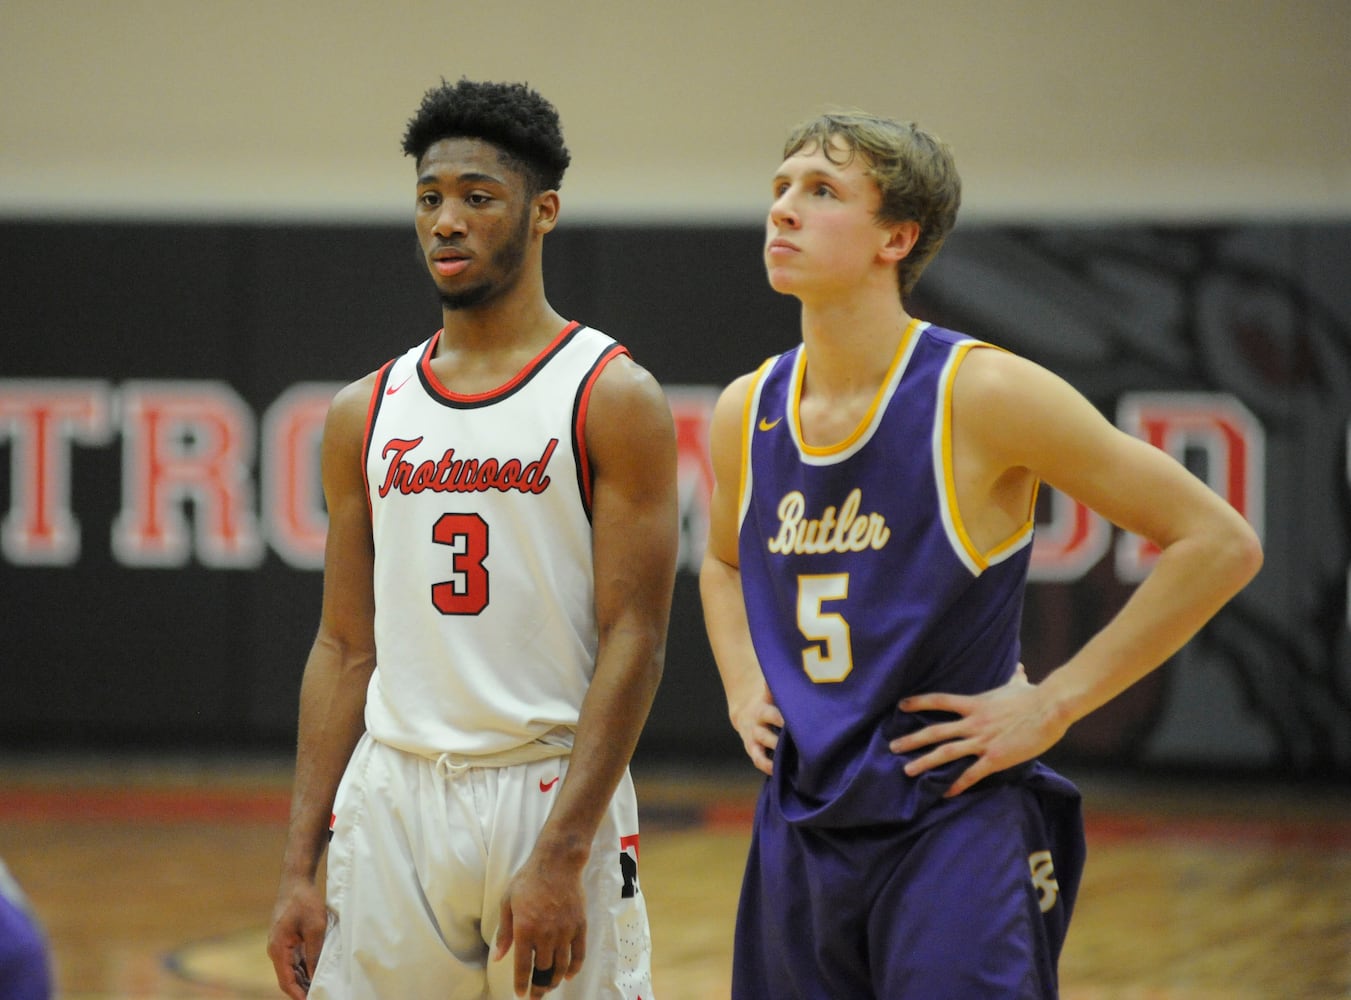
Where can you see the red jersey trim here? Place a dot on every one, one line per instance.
(381, 381)
(579, 422)
(435, 386)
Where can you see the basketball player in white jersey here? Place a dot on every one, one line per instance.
(497, 586)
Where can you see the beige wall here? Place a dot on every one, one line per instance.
(1057, 109)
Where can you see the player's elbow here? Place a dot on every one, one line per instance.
(1251, 555)
(646, 676)
(1236, 553)
(639, 643)
(717, 576)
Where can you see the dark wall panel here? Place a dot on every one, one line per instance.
(1240, 335)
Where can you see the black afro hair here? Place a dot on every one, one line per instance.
(511, 116)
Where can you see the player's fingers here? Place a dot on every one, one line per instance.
(505, 932)
(546, 974)
(759, 758)
(771, 716)
(522, 971)
(940, 732)
(939, 756)
(958, 703)
(286, 979)
(969, 777)
(578, 954)
(289, 984)
(307, 960)
(283, 949)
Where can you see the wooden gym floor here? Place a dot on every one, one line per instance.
(155, 879)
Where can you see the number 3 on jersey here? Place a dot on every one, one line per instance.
(831, 657)
(467, 592)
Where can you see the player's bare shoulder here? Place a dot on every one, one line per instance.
(345, 424)
(999, 392)
(630, 432)
(625, 382)
(987, 373)
(726, 424)
(732, 400)
(351, 404)
(627, 396)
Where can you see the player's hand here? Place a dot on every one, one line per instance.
(758, 722)
(543, 920)
(1000, 729)
(299, 922)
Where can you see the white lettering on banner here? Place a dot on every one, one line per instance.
(190, 460)
(186, 443)
(42, 418)
(1214, 425)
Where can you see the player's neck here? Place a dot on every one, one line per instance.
(519, 320)
(483, 348)
(850, 344)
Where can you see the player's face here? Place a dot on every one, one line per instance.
(822, 233)
(473, 221)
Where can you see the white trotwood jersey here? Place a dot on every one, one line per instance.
(485, 625)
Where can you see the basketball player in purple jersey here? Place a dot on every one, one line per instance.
(863, 586)
(25, 956)
(497, 585)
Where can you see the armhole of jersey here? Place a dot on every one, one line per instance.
(942, 457)
(1022, 536)
(584, 478)
(749, 409)
(372, 407)
(944, 476)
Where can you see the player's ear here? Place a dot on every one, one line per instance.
(545, 209)
(902, 240)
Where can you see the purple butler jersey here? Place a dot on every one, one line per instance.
(862, 586)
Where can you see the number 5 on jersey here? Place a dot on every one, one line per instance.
(830, 658)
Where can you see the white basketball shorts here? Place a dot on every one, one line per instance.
(420, 860)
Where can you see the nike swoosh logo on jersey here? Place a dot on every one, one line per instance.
(768, 425)
(545, 786)
(395, 388)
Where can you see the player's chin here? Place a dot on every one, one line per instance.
(779, 279)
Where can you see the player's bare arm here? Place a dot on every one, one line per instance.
(333, 691)
(1012, 417)
(635, 536)
(752, 712)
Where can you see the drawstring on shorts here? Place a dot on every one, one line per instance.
(556, 742)
(451, 765)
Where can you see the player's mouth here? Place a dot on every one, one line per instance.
(781, 247)
(448, 262)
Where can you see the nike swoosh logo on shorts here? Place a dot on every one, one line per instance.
(545, 786)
